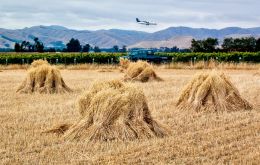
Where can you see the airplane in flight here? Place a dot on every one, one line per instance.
(145, 22)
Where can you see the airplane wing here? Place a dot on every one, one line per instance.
(143, 23)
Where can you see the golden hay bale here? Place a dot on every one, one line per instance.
(113, 110)
(43, 79)
(140, 71)
(211, 92)
(39, 62)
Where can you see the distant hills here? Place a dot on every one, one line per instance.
(181, 42)
(58, 36)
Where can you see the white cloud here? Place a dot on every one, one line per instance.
(106, 14)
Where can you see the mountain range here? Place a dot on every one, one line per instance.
(58, 36)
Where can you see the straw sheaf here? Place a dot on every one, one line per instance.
(140, 71)
(113, 110)
(211, 92)
(43, 78)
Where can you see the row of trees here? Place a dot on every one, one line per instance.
(72, 46)
(241, 44)
(26, 46)
(209, 45)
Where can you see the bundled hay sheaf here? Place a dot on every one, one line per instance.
(113, 110)
(140, 71)
(43, 78)
(212, 91)
(37, 63)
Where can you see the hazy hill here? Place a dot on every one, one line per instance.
(58, 36)
(181, 42)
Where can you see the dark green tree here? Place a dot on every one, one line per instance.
(73, 45)
(26, 46)
(86, 48)
(38, 46)
(257, 47)
(209, 45)
(23, 46)
(196, 46)
(116, 48)
(124, 49)
(228, 45)
(96, 49)
(249, 44)
(239, 44)
(17, 47)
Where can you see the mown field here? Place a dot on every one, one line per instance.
(196, 138)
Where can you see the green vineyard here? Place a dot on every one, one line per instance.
(222, 57)
(60, 58)
(109, 58)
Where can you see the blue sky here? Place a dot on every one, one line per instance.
(121, 14)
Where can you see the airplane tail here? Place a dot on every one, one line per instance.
(137, 20)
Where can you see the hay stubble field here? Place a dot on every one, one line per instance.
(196, 138)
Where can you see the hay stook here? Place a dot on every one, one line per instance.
(211, 91)
(140, 71)
(113, 110)
(43, 78)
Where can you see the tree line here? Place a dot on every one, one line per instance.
(26, 46)
(72, 46)
(209, 45)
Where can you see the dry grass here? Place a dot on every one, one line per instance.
(43, 78)
(212, 65)
(174, 65)
(112, 110)
(139, 71)
(105, 70)
(62, 66)
(212, 91)
(89, 67)
(14, 67)
(257, 73)
(197, 138)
